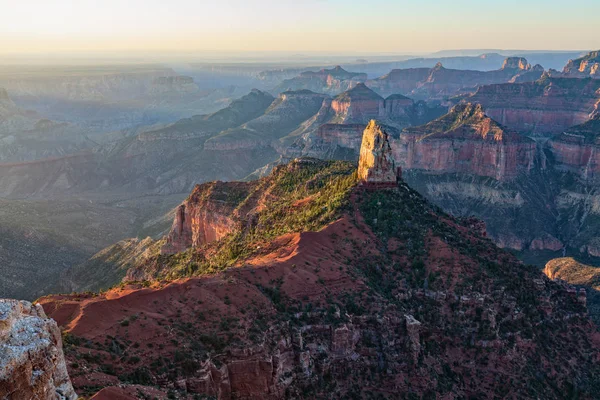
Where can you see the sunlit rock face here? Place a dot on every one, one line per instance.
(203, 218)
(32, 364)
(586, 66)
(376, 164)
(465, 140)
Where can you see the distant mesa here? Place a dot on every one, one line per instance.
(516, 63)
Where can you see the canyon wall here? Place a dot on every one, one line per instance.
(542, 108)
(205, 217)
(465, 141)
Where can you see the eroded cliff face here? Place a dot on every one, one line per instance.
(205, 217)
(587, 66)
(32, 364)
(465, 140)
(542, 108)
(577, 150)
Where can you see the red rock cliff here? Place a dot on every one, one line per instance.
(544, 107)
(578, 149)
(465, 141)
(206, 216)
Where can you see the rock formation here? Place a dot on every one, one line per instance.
(585, 277)
(577, 150)
(283, 117)
(376, 167)
(32, 364)
(587, 66)
(542, 108)
(465, 140)
(205, 217)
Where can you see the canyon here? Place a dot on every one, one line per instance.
(322, 286)
(132, 179)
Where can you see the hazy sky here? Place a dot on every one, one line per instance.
(31, 26)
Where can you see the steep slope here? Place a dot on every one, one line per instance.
(323, 289)
(465, 140)
(542, 108)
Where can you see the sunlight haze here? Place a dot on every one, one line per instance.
(313, 25)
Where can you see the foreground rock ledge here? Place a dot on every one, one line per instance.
(32, 364)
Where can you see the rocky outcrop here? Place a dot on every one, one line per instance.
(573, 272)
(577, 150)
(205, 217)
(542, 108)
(32, 364)
(465, 140)
(587, 66)
(376, 165)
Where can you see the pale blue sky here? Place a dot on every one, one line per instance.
(300, 25)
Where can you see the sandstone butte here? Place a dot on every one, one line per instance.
(322, 289)
(376, 166)
(32, 364)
